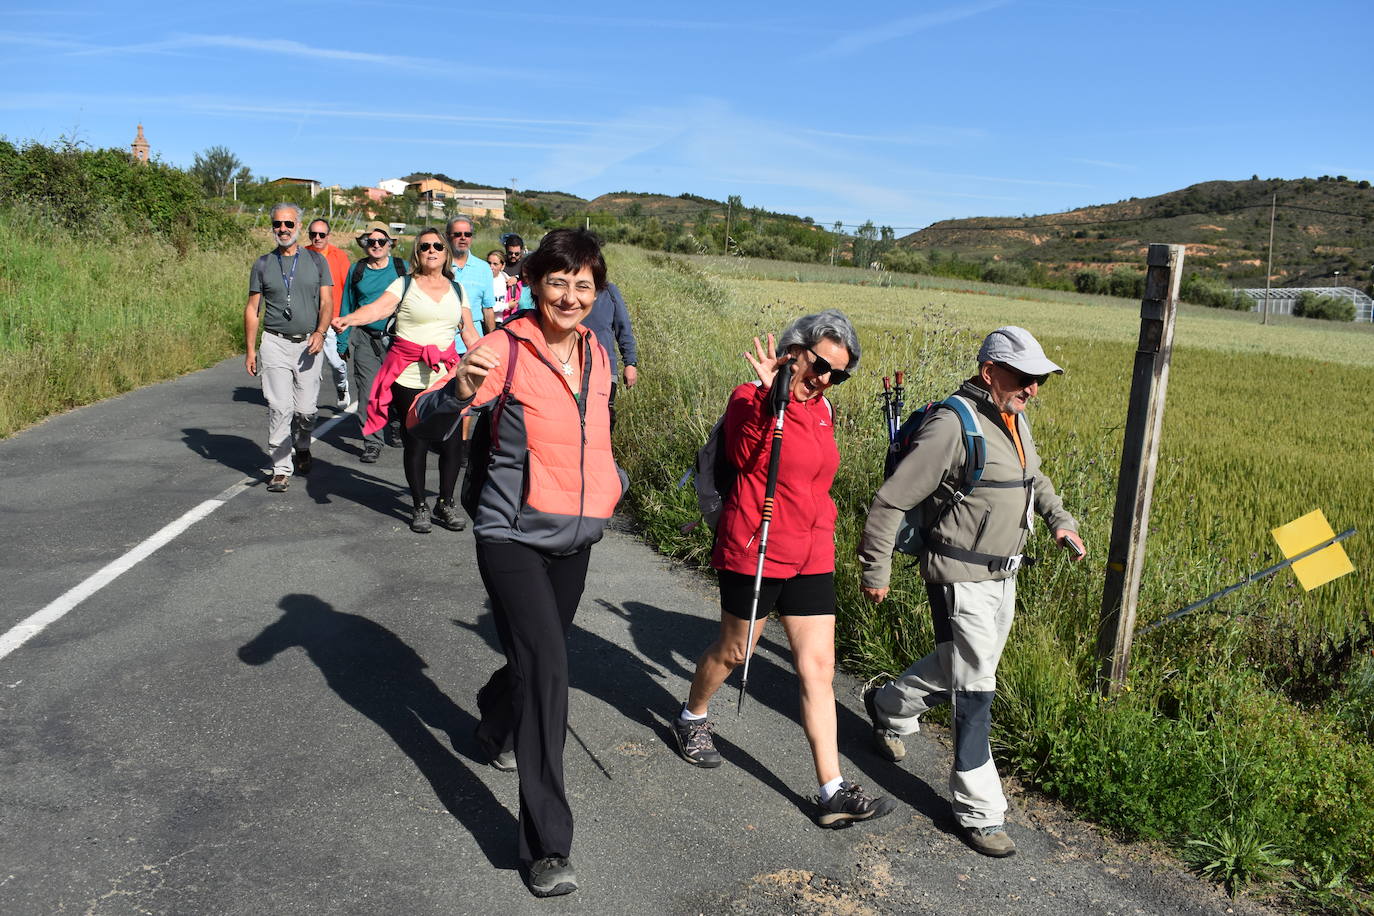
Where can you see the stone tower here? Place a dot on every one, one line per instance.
(140, 146)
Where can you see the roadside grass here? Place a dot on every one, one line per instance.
(88, 319)
(1238, 729)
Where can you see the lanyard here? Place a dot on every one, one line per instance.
(287, 279)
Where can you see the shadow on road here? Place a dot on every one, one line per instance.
(243, 455)
(378, 674)
(249, 394)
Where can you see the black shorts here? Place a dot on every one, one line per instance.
(799, 596)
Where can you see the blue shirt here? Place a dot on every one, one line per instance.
(476, 279)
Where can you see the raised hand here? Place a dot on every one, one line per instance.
(766, 362)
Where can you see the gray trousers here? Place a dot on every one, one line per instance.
(972, 620)
(335, 361)
(291, 383)
(365, 355)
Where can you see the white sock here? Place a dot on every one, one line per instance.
(831, 788)
(688, 716)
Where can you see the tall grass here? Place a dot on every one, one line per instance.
(86, 319)
(1248, 721)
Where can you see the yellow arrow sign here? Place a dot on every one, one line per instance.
(1304, 534)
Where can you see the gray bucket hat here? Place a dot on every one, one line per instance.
(1016, 347)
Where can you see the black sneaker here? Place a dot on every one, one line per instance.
(851, 803)
(303, 461)
(392, 434)
(371, 452)
(552, 876)
(694, 742)
(419, 519)
(446, 515)
(886, 742)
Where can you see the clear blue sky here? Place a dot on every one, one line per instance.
(903, 113)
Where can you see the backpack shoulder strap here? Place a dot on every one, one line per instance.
(355, 280)
(975, 446)
(400, 267)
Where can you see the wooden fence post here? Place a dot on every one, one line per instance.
(1139, 453)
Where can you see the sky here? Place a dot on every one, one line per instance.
(902, 113)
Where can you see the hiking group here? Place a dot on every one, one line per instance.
(527, 407)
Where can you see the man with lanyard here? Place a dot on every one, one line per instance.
(291, 297)
(971, 550)
(474, 274)
(338, 272)
(365, 282)
(609, 320)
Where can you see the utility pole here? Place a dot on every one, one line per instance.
(726, 246)
(1139, 453)
(1269, 274)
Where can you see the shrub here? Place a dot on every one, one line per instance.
(1327, 308)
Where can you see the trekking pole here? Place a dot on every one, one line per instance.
(898, 402)
(887, 409)
(778, 400)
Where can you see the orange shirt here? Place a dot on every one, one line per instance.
(338, 271)
(1010, 420)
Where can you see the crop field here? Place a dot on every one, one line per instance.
(1247, 728)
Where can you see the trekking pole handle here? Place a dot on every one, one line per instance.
(782, 383)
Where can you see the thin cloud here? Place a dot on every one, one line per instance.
(1104, 164)
(890, 31)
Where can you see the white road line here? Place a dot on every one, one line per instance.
(35, 623)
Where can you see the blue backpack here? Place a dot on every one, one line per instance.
(912, 535)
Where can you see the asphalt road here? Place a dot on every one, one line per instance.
(272, 713)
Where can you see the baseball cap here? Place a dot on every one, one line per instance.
(1016, 347)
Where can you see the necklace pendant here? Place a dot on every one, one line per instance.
(567, 368)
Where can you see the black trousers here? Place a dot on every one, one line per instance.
(524, 705)
(415, 452)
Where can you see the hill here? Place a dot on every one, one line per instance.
(1321, 232)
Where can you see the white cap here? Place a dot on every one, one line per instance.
(1016, 347)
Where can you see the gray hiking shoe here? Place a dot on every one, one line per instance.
(446, 515)
(886, 742)
(990, 841)
(850, 804)
(552, 876)
(694, 742)
(419, 519)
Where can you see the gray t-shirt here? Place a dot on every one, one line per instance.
(298, 312)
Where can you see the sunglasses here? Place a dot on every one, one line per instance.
(820, 366)
(429, 246)
(376, 243)
(283, 224)
(460, 235)
(319, 235)
(1022, 379)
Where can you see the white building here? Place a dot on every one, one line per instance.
(395, 186)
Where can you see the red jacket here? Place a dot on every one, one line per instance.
(801, 537)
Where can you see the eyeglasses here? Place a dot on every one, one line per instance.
(512, 252)
(283, 224)
(460, 235)
(1022, 379)
(430, 246)
(376, 243)
(820, 366)
(319, 235)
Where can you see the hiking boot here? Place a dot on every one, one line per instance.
(278, 483)
(499, 760)
(371, 452)
(392, 434)
(552, 876)
(694, 742)
(303, 461)
(851, 803)
(419, 519)
(886, 742)
(446, 515)
(342, 391)
(990, 841)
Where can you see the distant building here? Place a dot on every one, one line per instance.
(378, 193)
(310, 183)
(481, 202)
(1281, 301)
(395, 186)
(140, 146)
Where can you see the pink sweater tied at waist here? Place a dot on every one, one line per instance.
(402, 353)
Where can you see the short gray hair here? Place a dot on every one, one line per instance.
(460, 219)
(300, 214)
(830, 324)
